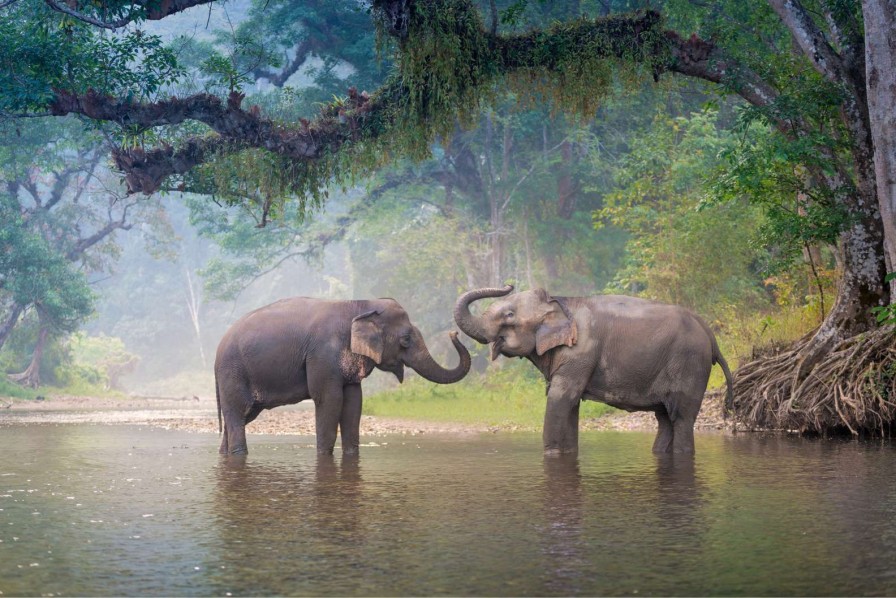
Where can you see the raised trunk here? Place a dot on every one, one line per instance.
(467, 322)
(423, 363)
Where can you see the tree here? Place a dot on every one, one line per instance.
(816, 72)
(59, 218)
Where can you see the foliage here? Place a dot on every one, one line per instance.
(99, 360)
(774, 172)
(509, 397)
(42, 50)
(32, 273)
(886, 314)
(679, 253)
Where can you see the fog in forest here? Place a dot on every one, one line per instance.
(635, 198)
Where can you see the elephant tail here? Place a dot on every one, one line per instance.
(218, 400)
(729, 381)
(718, 359)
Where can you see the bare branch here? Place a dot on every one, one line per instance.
(93, 20)
(87, 242)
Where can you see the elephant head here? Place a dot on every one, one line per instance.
(527, 323)
(385, 335)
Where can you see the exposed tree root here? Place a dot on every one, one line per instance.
(850, 388)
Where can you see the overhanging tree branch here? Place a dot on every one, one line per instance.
(150, 11)
(399, 103)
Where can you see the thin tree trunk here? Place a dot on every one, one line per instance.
(528, 247)
(10, 323)
(567, 183)
(494, 207)
(193, 305)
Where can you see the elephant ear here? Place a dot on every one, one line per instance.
(367, 336)
(558, 328)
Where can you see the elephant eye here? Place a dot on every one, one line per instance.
(508, 314)
(405, 341)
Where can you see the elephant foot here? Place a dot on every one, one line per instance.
(238, 451)
(556, 452)
(350, 451)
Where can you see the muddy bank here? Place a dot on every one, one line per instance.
(199, 414)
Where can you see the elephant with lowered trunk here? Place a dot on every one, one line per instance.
(630, 353)
(302, 348)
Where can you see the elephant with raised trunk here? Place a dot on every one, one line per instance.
(301, 348)
(630, 353)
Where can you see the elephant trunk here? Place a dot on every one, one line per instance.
(422, 362)
(470, 324)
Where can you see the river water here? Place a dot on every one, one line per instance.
(127, 510)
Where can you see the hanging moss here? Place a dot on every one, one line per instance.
(450, 67)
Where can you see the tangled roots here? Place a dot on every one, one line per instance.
(851, 387)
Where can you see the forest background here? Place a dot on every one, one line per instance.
(670, 188)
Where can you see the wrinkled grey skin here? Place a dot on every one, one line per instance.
(301, 348)
(630, 353)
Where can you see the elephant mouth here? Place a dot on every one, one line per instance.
(398, 370)
(496, 347)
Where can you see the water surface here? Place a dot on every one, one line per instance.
(125, 510)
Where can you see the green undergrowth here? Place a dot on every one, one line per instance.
(79, 388)
(509, 397)
(11, 390)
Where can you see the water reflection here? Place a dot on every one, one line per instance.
(562, 543)
(118, 511)
(311, 516)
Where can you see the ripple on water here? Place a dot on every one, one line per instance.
(135, 511)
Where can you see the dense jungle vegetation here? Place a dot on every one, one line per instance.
(168, 165)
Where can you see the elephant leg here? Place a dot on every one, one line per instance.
(664, 435)
(683, 440)
(235, 396)
(682, 410)
(327, 412)
(561, 417)
(350, 421)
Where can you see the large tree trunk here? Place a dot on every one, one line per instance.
(838, 376)
(880, 78)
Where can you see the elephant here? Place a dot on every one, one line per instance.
(300, 348)
(630, 353)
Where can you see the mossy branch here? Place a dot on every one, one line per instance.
(449, 66)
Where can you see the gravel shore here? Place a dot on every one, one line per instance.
(196, 414)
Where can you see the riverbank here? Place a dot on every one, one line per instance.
(199, 414)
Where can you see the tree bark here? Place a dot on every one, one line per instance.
(880, 78)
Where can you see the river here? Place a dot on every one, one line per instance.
(134, 510)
